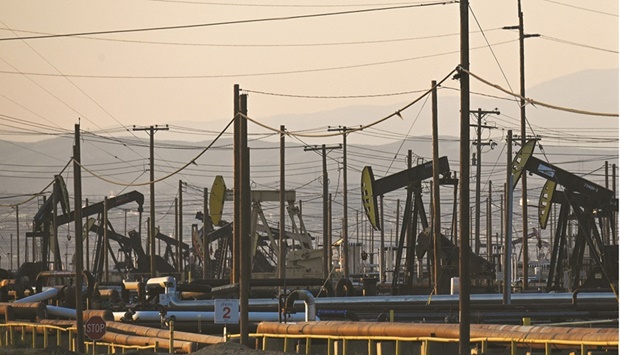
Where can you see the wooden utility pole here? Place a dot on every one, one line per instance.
(242, 212)
(234, 272)
(17, 235)
(436, 202)
(326, 240)
(180, 232)
(176, 232)
(522, 104)
(77, 192)
(206, 225)
(329, 227)
(86, 240)
(382, 244)
(508, 221)
(151, 131)
(11, 255)
(246, 221)
(282, 227)
(489, 226)
(345, 218)
(105, 239)
(614, 214)
(478, 160)
(464, 277)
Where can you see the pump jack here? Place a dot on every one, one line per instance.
(302, 259)
(46, 222)
(588, 202)
(414, 207)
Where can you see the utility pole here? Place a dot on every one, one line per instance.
(489, 225)
(613, 213)
(206, 224)
(151, 131)
(326, 241)
(241, 272)
(382, 244)
(176, 232)
(522, 103)
(464, 277)
(234, 272)
(345, 220)
(282, 228)
(508, 225)
(86, 239)
(329, 226)
(245, 267)
(180, 232)
(17, 219)
(478, 161)
(436, 200)
(79, 268)
(105, 239)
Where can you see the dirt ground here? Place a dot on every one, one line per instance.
(228, 348)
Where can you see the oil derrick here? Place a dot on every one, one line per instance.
(590, 204)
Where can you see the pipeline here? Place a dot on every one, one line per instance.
(606, 336)
(116, 338)
(41, 296)
(161, 333)
(131, 334)
(88, 277)
(72, 314)
(191, 316)
(409, 300)
(310, 305)
(31, 311)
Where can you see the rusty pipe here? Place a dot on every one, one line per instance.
(31, 310)
(116, 338)
(162, 333)
(412, 330)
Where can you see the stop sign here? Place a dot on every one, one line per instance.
(94, 328)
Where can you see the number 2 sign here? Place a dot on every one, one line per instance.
(226, 311)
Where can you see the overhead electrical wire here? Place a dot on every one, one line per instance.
(214, 3)
(237, 75)
(39, 193)
(549, 38)
(363, 96)
(402, 142)
(539, 103)
(225, 23)
(354, 129)
(193, 161)
(581, 8)
(79, 89)
(257, 45)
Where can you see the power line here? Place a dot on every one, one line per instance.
(549, 38)
(256, 45)
(278, 5)
(224, 23)
(581, 8)
(237, 75)
(335, 96)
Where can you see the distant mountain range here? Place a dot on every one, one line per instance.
(591, 90)
(28, 167)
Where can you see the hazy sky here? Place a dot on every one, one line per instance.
(159, 77)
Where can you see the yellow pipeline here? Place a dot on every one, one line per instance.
(535, 335)
(115, 338)
(162, 333)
